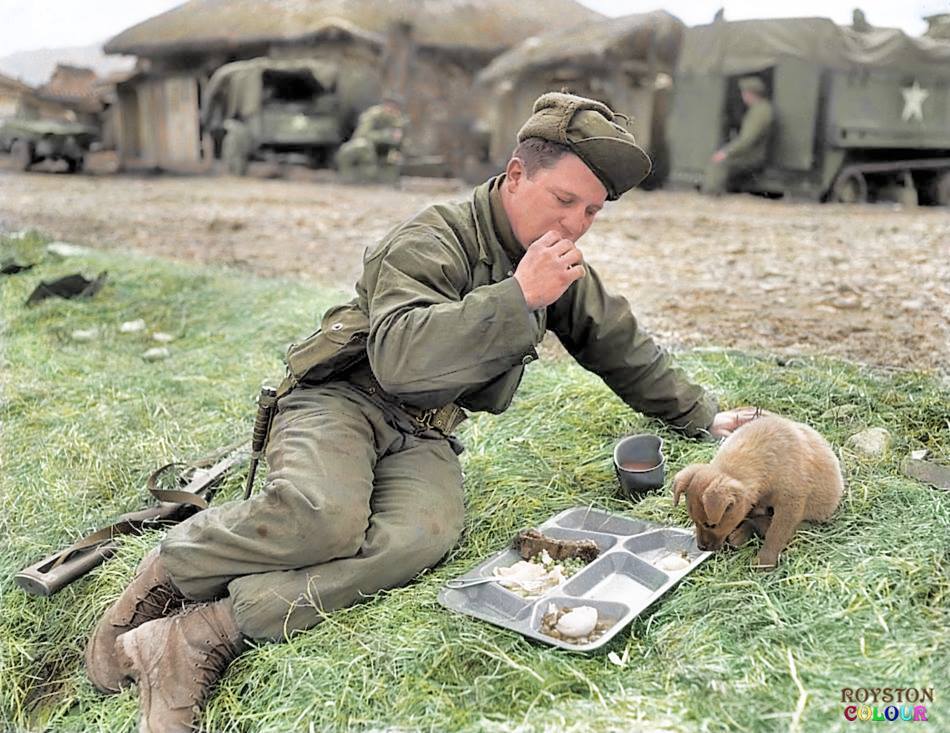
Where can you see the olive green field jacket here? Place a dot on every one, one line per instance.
(440, 319)
(751, 145)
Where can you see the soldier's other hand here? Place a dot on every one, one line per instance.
(726, 423)
(548, 268)
(719, 156)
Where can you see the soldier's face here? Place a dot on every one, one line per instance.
(564, 198)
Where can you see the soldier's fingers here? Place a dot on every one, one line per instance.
(571, 258)
(546, 239)
(562, 247)
(576, 273)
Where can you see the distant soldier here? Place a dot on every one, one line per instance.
(859, 21)
(373, 153)
(745, 153)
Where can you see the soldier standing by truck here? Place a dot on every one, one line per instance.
(373, 153)
(747, 152)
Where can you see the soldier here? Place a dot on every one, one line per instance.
(365, 488)
(746, 153)
(373, 152)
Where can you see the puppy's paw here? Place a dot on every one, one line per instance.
(740, 535)
(766, 560)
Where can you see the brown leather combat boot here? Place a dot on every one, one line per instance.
(176, 662)
(150, 595)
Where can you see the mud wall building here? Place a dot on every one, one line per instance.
(427, 51)
(21, 100)
(626, 62)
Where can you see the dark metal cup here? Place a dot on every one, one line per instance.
(639, 463)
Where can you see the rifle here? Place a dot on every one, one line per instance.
(198, 483)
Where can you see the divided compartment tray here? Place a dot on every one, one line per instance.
(621, 583)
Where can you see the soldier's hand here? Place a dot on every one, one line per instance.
(726, 423)
(719, 156)
(548, 268)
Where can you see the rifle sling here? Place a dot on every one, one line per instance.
(173, 501)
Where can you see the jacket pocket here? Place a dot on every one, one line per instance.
(338, 344)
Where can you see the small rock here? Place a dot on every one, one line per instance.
(919, 455)
(132, 326)
(163, 338)
(156, 354)
(926, 472)
(87, 334)
(65, 249)
(847, 302)
(872, 442)
(912, 305)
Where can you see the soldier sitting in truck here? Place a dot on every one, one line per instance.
(746, 153)
(372, 154)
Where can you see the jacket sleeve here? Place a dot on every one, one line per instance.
(602, 334)
(432, 337)
(755, 126)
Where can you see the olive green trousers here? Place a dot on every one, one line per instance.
(720, 177)
(354, 502)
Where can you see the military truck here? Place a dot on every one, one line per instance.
(858, 116)
(30, 141)
(276, 110)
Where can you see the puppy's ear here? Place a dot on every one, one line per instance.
(682, 480)
(716, 500)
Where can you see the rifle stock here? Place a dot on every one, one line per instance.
(55, 572)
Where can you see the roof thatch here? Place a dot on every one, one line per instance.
(73, 82)
(209, 25)
(15, 85)
(599, 44)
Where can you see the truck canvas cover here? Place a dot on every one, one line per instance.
(738, 47)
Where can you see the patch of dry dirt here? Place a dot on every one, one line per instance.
(868, 283)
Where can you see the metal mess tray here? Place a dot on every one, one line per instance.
(620, 583)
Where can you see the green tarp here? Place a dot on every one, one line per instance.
(750, 45)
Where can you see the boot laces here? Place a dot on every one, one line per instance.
(159, 601)
(214, 659)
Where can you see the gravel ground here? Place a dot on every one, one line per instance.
(866, 283)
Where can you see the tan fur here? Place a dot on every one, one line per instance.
(767, 477)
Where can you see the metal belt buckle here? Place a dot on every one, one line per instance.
(425, 417)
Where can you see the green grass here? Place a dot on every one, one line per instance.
(860, 602)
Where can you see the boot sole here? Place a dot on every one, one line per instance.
(115, 680)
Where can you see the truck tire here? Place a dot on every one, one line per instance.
(233, 154)
(22, 154)
(850, 188)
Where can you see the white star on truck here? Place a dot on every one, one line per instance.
(914, 97)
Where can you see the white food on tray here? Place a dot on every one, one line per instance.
(577, 622)
(673, 562)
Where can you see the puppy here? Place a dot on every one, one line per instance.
(768, 477)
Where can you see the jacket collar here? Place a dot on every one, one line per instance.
(496, 239)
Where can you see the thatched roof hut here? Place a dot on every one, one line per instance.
(625, 62)
(595, 45)
(427, 51)
(487, 26)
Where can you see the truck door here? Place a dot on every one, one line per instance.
(695, 125)
(795, 98)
